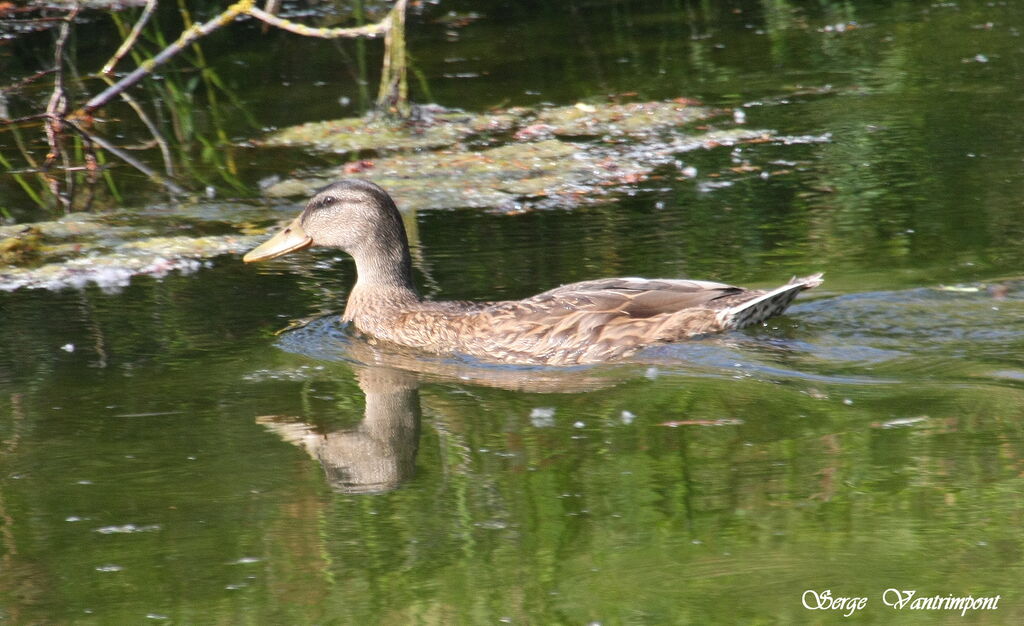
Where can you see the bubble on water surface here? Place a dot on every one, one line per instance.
(542, 416)
(127, 529)
(109, 568)
(246, 560)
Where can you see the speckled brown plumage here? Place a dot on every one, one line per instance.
(584, 322)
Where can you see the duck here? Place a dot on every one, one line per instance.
(587, 322)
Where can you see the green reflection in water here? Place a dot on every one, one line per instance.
(662, 491)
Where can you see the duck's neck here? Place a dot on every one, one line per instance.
(384, 284)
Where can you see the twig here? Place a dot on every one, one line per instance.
(242, 7)
(369, 30)
(130, 40)
(127, 158)
(33, 20)
(73, 168)
(272, 8)
(56, 108)
(26, 81)
(393, 95)
(165, 151)
(187, 37)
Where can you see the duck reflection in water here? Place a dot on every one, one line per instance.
(379, 454)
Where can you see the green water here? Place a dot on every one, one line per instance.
(166, 457)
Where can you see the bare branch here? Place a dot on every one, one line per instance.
(131, 39)
(393, 95)
(188, 36)
(370, 30)
(57, 108)
(242, 7)
(23, 82)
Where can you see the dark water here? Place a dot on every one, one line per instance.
(166, 457)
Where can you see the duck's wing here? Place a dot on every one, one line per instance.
(596, 320)
(636, 298)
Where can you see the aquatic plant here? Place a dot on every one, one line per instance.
(77, 151)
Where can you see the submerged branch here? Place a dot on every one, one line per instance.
(21, 84)
(127, 158)
(165, 150)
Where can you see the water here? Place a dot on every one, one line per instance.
(168, 457)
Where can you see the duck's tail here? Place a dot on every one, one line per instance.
(768, 304)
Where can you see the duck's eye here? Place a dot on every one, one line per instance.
(323, 202)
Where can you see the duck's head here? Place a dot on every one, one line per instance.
(353, 215)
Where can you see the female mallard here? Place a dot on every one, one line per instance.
(585, 322)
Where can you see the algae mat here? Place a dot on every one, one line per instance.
(512, 160)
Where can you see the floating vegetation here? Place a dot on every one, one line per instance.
(513, 160)
(637, 119)
(19, 244)
(436, 127)
(356, 134)
(104, 249)
(113, 271)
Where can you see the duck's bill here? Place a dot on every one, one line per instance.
(290, 239)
